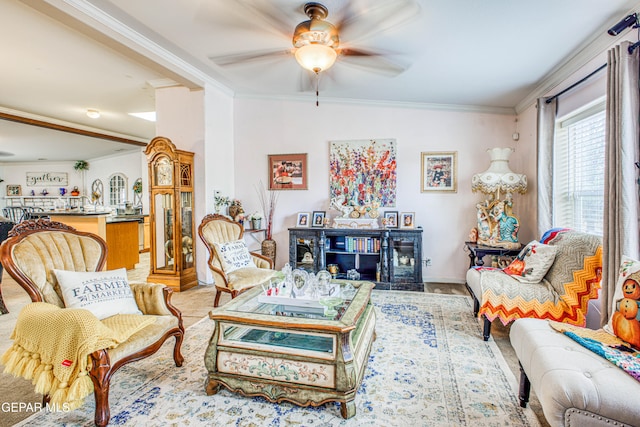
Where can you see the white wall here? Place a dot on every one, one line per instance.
(277, 127)
(130, 165)
(200, 122)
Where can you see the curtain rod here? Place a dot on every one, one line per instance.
(602, 67)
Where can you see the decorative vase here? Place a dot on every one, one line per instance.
(269, 249)
(234, 210)
(256, 224)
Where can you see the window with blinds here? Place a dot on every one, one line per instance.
(578, 171)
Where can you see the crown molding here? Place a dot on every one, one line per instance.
(586, 52)
(386, 104)
(107, 25)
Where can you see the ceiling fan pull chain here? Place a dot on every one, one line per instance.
(317, 92)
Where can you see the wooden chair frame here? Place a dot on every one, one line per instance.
(101, 368)
(213, 255)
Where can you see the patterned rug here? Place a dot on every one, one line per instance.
(428, 367)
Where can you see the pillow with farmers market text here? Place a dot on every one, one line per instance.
(234, 255)
(104, 293)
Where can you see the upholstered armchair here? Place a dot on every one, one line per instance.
(221, 235)
(36, 247)
(562, 294)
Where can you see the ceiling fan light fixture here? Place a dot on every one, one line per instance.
(316, 57)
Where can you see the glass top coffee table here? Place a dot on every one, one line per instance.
(290, 353)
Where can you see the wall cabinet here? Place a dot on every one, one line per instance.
(389, 257)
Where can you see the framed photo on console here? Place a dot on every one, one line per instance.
(303, 219)
(407, 220)
(392, 219)
(318, 218)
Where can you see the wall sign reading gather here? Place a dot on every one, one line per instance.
(42, 179)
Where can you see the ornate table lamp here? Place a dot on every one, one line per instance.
(497, 226)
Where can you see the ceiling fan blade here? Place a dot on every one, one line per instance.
(375, 62)
(264, 11)
(383, 17)
(239, 15)
(249, 57)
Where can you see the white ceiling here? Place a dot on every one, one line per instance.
(60, 57)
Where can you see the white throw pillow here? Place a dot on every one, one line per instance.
(234, 255)
(104, 293)
(532, 263)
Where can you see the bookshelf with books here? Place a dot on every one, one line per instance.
(390, 258)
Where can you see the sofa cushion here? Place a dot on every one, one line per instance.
(104, 293)
(248, 277)
(532, 263)
(234, 255)
(625, 310)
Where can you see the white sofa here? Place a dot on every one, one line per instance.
(574, 385)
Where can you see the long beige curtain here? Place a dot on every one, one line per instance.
(621, 188)
(546, 130)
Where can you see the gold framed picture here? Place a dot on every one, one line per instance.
(439, 172)
(288, 171)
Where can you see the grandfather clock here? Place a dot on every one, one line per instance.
(171, 215)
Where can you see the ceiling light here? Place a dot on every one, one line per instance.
(94, 114)
(149, 115)
(316, 40)
(316, 57)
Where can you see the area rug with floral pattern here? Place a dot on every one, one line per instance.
(428, 367)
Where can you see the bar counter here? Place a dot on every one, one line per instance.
(120, 233)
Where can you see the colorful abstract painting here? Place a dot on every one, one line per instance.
(363, 171)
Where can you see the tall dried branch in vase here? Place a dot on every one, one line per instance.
(268, 201)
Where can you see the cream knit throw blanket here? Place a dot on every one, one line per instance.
(52, 347)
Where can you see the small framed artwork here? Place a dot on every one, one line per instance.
(303, 219)
(439, 172)
(288, 171)
(391, 218)
(14, 190)
(318, 218)
(407, 219)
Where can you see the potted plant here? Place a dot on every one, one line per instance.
(256, 220)
(220, 202)
(81, 165)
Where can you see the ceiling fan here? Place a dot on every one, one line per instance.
(316, 41)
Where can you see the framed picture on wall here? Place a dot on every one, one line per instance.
(288, 171)
(14, 190)
(303, 219)
(439, 172)
(407, 220)
(391, 218)
(318, 218)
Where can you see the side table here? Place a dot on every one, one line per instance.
(477, 252)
